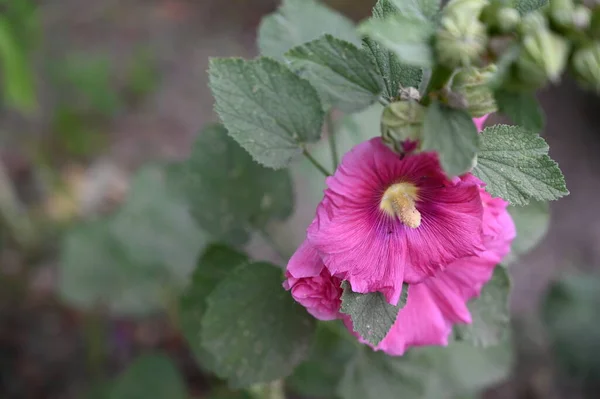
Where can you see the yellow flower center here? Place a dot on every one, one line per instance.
(399, 200)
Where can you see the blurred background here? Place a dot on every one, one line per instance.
(93, 90)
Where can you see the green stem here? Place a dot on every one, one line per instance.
(316, 163)
(95, 337)
(439, 79)
(331, 137)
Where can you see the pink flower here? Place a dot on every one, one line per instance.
(386, 220)
(479, 122)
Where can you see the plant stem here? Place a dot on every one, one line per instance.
(331, 137)
(269, 240)
(439, 78)
(316, 163)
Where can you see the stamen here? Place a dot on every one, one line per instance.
(399, 201)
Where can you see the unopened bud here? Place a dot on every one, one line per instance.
(586, 65)
(402, 121)
(581, 17)
(543, 57)
(507, 19)
(533, 22)
(473, 85)
(561, 12)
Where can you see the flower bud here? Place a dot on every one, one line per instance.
(561, 12)
(507, 19)
(586, 65)
(462, 37)
(472, 84)
(402, 121)
(581, 17)
(533, 22)
(543, 57)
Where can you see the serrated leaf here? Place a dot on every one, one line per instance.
(214, 265)
(215, 181)
(532, 223)
(253, 328)
(267, 109)
(522, 108)
(301, 21)
(135, 262)
(408, 38)
(150, 376)
(490, 313)
(372, 317)
(319, 375)
(393, 72)
(514, 164)
(423, 9)
(453, 135)
(527, 6)
(343, 74)
(375, 375)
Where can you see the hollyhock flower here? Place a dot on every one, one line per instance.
(386, 220)
(434, 305)
(479, 122)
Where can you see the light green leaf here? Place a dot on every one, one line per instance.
(408, 38)
(522, 108)
(375, 375)
(266, 108)
(532, 223)
(393, 72)
(150, 376)
(527, 6)
(216, 182)
(372, 317)
(490, 314)
(513, 162)
(135, 262)
(319, 375)
(253, 328)
(423, 9)
(214, 265)
(344, 75)
(453, 135)
(301, 21)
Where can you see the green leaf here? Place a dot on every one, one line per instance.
(319, 375)
(17, 75)
(527, 6)
(571, 315)
(150, 376)
(266, 108)
(375, 375)
(372, 317)
(216, 182)
(513, 161)
(522, 108)
(301, 21)
(213, 266)
(253, 328)
(344, 75)
(423, 9)
(393, 72)
(490, 313)
(453, 135)
(532, 223)
(408, 38)
(135, 262)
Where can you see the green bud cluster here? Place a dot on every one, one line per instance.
(402, 121)
(473, 85)
(461, 39)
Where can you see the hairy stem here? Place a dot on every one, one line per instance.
(316, 163)
(438, 80)
(331, 137)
